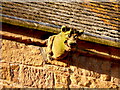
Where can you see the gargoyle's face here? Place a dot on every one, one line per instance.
(71, 36)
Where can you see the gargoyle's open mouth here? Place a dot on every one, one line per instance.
(73, 44)
(70, 45)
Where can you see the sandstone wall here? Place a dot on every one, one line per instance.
(23, 66)
(91, 66)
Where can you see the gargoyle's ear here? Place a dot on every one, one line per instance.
(80, 32)
(64, 28)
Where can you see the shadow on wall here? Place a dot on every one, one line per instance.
(95, 65)
(25, 31)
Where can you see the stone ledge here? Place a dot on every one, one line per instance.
(55, 30)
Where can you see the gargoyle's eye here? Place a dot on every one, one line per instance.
(67, 29)
(72, 32)
(65, 41)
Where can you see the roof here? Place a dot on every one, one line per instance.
(99, 20)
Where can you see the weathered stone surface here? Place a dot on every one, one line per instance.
(106, 67)
(88, 63)
(14, 72)
(21, 53)
(102, 84)
(61, 75)
(8, 84)
(81, 81)
(115, 73)
(54, 68)
(61, 80)
(5, 71)
(82, 72)
(105, 77)
(87, 66)
(36, 77)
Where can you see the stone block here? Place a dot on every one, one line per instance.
(36, 77)
(21, 53)
(61, 75)
(86, 66)
(14, 72)
(5, 71)
(88, 73)
(116, 81)
(54, 68)
(106, 67)
(97, 83)
(105, 77)
(88, 63)
(61, 80)
(115, 73)
(81, 81)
